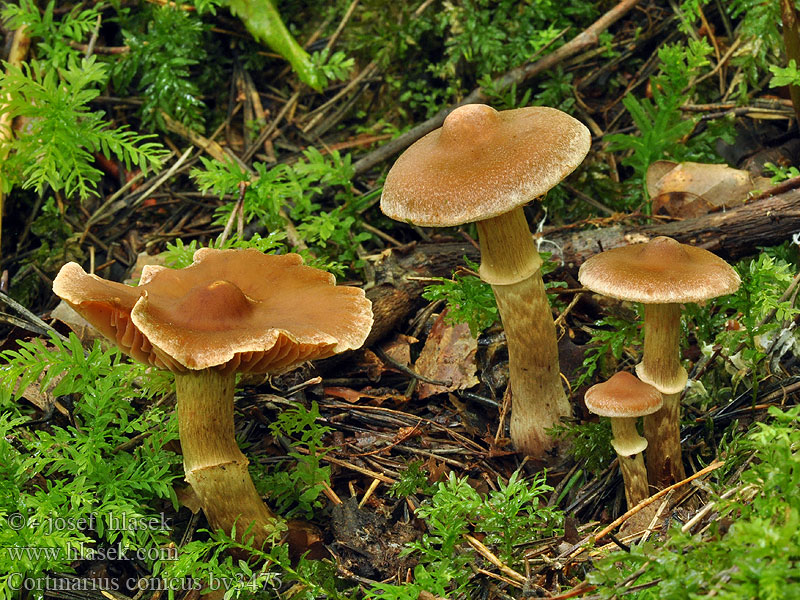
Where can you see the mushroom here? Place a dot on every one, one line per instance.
(623, 398)
(483, 166)
(229, 311)
(662, 274)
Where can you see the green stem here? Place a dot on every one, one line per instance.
(265, 24)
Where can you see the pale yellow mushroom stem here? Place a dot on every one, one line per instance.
(511, 264)
(214, 466)
(661, 368)
(629, 446)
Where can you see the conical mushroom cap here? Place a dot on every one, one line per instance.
(661, 271)
(230, 309)
(482, 163)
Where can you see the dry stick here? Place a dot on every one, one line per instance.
(584, 587)
(318, 113)
(210, 146)
(588, 37)
(368, 493)
(145, 191)
(29, 316)
(238, 209)
(343, 463)
(262, 137)
(487, 554)
(315, 116)
(342, 23)
(717, 67)
(647, 501)
(791, 42)
(93, 40)
(398, 414)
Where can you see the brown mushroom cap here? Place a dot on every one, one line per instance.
(482, 163)
(623, 395)
(662, 271)
(230, 309)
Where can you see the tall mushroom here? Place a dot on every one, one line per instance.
(483, 166)
(661, 274)
(229, 311)
(623, 398)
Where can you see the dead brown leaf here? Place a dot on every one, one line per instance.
(692, 189)
(448, 356)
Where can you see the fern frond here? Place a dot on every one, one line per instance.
(62, 132)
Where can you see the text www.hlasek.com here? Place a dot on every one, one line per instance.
(81, 551)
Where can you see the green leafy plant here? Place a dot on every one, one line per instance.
(413, 478)
(66, 492)
(61, 134)
(512, 514)
(463, 44)
(611, 338)
(469, 300)
(662, 127)
(757, 28)
(166, 46)
(780, 173)
(333, 235)
(52, 34)
(178, 255)
(760, 316)
(331, 67)
(295, 492)
(210, 564)
(590, 443)
(788, 75)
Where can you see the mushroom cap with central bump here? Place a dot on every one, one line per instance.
(623, 395)
(230, 309)
(483, 163)
(661, 271)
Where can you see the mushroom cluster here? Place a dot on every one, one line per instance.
(662, 274)
(229, 311)
(483, 166)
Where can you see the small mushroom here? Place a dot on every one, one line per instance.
(623, 398)
(483, 166)
(662, 274)
(229, 311)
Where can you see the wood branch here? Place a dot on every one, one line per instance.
(733, 235)
(580, 42)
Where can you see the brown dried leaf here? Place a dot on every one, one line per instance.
(352, 396)
(680, 204)
(86, 333)
(692, 189)
(143, 259)
(399, 348)
(368, 361)
(448, 356)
